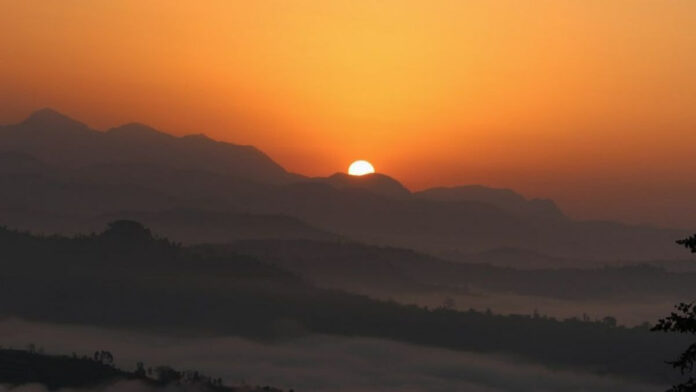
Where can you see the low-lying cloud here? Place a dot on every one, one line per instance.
(311, 364)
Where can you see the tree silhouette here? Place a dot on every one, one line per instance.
(167, 375)
(449, 303)
(140, 370)
(689, 243)
(683, 321)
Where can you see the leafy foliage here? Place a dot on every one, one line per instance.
(689, 242)
(683, 321)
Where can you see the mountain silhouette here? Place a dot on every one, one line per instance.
(505, 199)
(57, 139)
(61, 175)
(140, 132)
(47, 121)
(375, 182)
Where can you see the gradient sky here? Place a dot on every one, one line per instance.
(591, 103)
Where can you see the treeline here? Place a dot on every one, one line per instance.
(126, 277)
(30, 366)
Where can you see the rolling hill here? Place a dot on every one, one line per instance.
(127, 277)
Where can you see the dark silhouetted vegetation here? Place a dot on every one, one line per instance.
(689, 242)
(19, 367)
(683, 321)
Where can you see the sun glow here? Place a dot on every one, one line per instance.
(360, 168)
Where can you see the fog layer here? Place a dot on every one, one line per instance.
(312, 363)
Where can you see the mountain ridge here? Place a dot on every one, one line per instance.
(376, 183)
(55, 138)
(504, 198)
(122, 174)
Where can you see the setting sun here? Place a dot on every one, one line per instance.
(198, 150)
(360, 168)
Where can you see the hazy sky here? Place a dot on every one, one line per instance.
(592, 103)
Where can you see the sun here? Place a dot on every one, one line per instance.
(360, 168)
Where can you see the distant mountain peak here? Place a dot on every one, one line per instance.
(57, 139)
(375, 182)
(505, 199)
(197, 136)
(135, 129)
(46, 113)
(50, 118)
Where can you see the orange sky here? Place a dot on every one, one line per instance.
(592, 103)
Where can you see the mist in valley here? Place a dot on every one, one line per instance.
(198, 254)
(314, 362)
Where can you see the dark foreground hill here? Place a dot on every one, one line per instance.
(125, 277)
(18, 367)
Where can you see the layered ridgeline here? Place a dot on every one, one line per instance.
(58, 175)
(125, 277)
(631, 294)
(387, 272)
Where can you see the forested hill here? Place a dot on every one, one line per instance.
(20, 367)
(126, 277)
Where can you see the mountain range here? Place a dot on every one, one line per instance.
(59, 175)
(54, 138)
